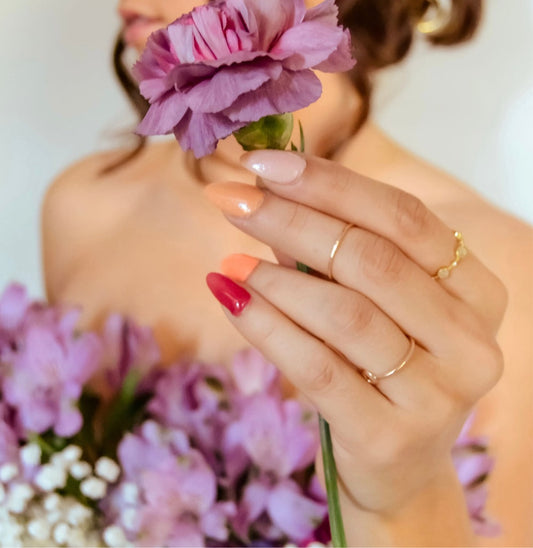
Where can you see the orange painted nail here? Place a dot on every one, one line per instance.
(239, 266)
(237, 199)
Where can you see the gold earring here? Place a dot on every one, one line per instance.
(436, 17)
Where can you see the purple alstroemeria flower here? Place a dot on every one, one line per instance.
(229, 63)
(45, 378)
(280, 438)
(176, 503)
(127, 347)
(195, 398)
(9, 446)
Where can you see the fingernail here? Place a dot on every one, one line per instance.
(230, 295)
(279, 166)
(239, 266)
(235, 199)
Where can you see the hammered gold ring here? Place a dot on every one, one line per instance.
(460, 253)
(372, 378)
(335, 248)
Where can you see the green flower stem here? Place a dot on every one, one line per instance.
(338, 537)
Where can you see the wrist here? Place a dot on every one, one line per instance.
(435, 515)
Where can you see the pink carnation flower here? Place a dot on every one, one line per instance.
(229, 63)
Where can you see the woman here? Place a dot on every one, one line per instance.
(398, 295)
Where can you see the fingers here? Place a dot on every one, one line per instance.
(367, 263)
(316, 370)
(384, 210)
(348, 321)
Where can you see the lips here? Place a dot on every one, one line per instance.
(138, 27)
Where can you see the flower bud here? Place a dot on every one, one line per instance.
(93, 488)
(273, 132)
(107, 469)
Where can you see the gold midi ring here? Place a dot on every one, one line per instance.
(372, 378)
(335, 248)
(460, 253)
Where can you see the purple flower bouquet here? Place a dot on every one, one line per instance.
(186, 455)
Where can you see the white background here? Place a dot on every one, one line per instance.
(468, 109)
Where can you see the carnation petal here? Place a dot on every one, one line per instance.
(163, 115)
(291, 91)
(341, 59)
(200, 132)
(273, 17)
(307, 45)
(294, 513)
(326, 13)
(220, 91)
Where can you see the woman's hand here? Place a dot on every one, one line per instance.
(391, 439)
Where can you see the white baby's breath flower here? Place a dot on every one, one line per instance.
(128, 517)
(80, 470)
(76, 537)
(93, 488)
(72, 453)
(78, 514)
(130, 493)
(8, 472)
(54, 516)
(39, 529)
(107, 469)
(51, 501)
(51, 477)
(30, 454)
(61, 533)
(114, 536)
(19, 495)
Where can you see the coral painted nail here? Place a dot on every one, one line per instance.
(234, 297)
(239, 266)
(235, 199)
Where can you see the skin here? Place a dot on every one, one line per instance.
(141, 240)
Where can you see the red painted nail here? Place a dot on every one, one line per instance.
(228, 293)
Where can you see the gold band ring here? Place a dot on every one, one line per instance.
(460, 253)
(335, 248)
(372, 378)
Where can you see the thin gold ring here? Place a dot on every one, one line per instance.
(460, 253)
(372, 378)
(335, 248)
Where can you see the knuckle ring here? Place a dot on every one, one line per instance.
(372, 378)
(335, 248)
(460, 253)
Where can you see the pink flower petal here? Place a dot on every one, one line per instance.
(307, 45)
(14, 304)
(291, 91)
(201, 132)
(297, 515)
(219, 92)
(163, 115)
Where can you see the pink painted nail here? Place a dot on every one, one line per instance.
(279, 166)
(229, 294)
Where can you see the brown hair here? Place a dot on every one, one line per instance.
(382, 33)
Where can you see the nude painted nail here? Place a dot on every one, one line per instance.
(239, 266)
(237, 199)
(232, 296)
(279, 166)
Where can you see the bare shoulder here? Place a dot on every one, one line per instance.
(72, 216)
